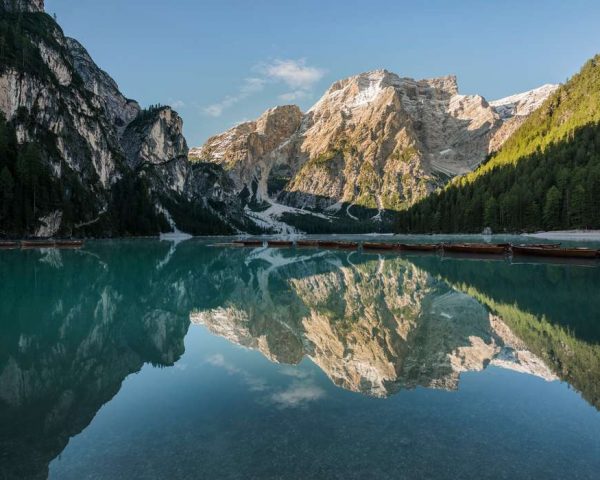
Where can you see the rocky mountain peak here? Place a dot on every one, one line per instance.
(373, 143)
(522, 104)
(280, 121)
(23, 5)
(447, 84)
(515, 109)
(364, 88)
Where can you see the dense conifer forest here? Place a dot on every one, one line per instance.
(546, 176)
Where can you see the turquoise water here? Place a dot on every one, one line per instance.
(149, 359)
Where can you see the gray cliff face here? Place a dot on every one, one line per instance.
(119, 110)
(93, 138)
(52, 109)
(375, 141)
(23, 5)
(156, 140)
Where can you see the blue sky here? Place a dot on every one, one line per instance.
(219, 62)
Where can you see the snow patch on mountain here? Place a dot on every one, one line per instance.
(522, 104)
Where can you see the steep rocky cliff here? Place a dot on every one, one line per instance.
(373, 144)
(86, 159)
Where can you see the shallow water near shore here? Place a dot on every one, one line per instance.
(156, 359)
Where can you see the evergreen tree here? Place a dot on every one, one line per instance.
(552, 208)
(7, 186)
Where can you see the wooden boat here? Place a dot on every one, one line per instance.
(38, 243)
(307, 243)
(491, 248)
(5, 245)
(380, 246)
(574, 252)
(342, 245)
(248, 243)
(420, 247)
(69, 243)
(279, 243)
(539, 245)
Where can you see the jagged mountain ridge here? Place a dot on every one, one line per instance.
(375, 140)
(546, 176)
(373, 145)
(107, 166)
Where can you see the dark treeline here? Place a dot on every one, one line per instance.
(26, 186)
(557, 188)
(546, 175)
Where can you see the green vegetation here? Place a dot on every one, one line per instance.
(132, 208)
(551, 308)
(27, 190)
(314, 224)
(571, 359)
(546, 176)
(145, 116)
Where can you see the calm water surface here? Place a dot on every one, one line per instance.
(148, 359)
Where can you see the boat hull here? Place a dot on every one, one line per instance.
(476, 248)
(419, 247)
(307, 243)
(557, 252)
(279, 243)
(69, 244)
(38, 244)
(340, 245)
(248, 243)
(380, 246)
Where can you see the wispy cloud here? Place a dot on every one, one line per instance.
(294, 95)
(295, 74)
(297, 395)
(254, 383)
(250, 86)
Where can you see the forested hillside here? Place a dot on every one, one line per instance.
(78, 158)
(546, 176)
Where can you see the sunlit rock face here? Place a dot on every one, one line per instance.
(375, 140)
(374, 326)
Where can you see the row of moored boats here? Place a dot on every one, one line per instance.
(544, 250)
(46, 243)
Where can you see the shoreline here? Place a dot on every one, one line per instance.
(571, 235)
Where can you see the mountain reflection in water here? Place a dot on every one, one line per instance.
(373, 324)
(75, 324)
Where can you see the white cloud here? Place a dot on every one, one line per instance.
(216, 109)
(250, 86)
(297, 395)
(253, 84)
(295, 74)
(254, 383)
(293, 96)
(177, 103)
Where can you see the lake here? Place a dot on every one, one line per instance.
(151, 359)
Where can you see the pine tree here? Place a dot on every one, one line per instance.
(7, 187)
(552, 208)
